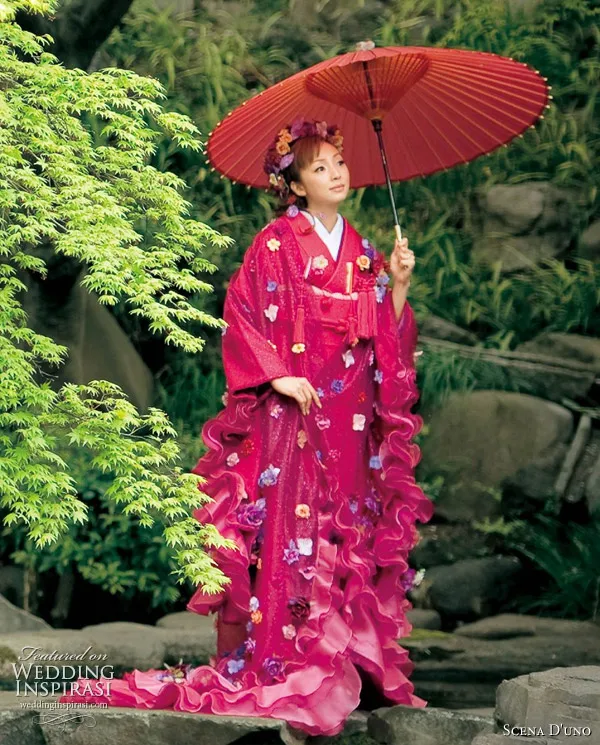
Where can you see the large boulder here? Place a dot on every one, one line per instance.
(399, 725)
(468, 589)
(479, 439)
(447, 543)
(562, 703)
(463, 671)
(589, 242)
(16, 619)
(98, 347)
(576, 347)
(523, 224)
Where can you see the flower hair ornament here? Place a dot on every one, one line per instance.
(279, 155)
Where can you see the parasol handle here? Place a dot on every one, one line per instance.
(377, 126)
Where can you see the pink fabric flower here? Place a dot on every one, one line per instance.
(322, 422)
(291, 554)
(271, 312)
(302, 510)
(276, 411)
(358, 422)
(305, 546)
(289, 631)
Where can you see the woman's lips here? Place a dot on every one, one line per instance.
(341, 187)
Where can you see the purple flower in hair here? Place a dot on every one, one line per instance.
(286, 161)
(292, 210)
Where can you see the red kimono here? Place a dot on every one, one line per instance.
(322, 507)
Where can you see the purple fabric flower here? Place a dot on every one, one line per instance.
(269, 476)
(407, 579)
(373, 504)
(320, 393)
(271, 285)
(291, 554)
(383, 279)
(337, 385)
(253, 514)
(234, 666)
(375, 462)
(250, 645)
(353, 504)
(369, 251)
(378, 376)
(273, 666)
(292, 210)
(286, 161)
(249, 626)
(380, 294)
(297, 127)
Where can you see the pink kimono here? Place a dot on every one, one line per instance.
(322, 507)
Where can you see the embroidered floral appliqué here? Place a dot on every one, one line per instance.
(358, 422)
(337, 386)
(273, 244)
(302, 510)
(276, 411)
(305, 546)
(319, 264)
(322, 422)
(269, 476)
(273, 666)
(291, 555)
(348, 358)
(289, 631)
(271, 312)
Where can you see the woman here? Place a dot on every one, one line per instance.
(310, 465)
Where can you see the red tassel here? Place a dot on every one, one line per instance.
(366, 312)
(299, 326)
(352, 326)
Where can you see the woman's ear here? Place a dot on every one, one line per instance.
(297, 188)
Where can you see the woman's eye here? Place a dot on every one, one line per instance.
(318, 168)
(341, 162)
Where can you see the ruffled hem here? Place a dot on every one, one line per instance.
(317, 695)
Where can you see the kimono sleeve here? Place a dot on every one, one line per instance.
(404, 331)
(249, 359)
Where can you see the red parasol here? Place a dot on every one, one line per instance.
(430, 108)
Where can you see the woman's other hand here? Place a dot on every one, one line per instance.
(299, 389)
(402, 262)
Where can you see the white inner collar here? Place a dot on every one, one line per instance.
(331, 239)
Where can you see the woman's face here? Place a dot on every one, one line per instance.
(326, 180)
